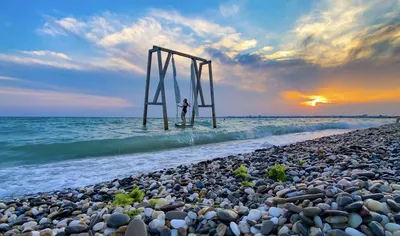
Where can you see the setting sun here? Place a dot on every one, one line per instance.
(315, 100)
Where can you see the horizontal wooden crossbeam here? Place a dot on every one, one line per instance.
(154, 103)
(155, 48)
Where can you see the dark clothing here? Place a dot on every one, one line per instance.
(185, 105)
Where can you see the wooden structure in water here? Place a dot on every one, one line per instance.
(162, 70)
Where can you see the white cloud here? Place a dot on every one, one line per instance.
(267, 48)
(229, 9)
(20, 97)
(48, 53)
(10, 78)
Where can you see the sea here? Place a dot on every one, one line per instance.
(54, 153)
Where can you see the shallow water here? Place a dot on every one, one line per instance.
(45, 154)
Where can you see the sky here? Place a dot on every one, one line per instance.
(276, 57)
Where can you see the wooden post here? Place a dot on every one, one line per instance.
(195, 91)
(164, 72)
(162, 75)
(212, 95)
(146, 96)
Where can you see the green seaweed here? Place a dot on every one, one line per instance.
(302, 162)
(126, 199)
(241, 172)
(247, 184)
(133, 213)
(277, 173)
(153, 202)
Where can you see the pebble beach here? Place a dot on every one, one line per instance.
(347, 184)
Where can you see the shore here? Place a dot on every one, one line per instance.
(336, 185)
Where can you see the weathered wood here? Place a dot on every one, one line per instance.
(146, 96)
(179, 53)
(212, 94)
(164, 72)
(162, 75)
(199, 85)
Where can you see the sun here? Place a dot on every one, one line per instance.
(315, 99)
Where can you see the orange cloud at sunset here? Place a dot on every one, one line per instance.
(343, 96)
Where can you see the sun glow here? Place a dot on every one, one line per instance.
(315, 100)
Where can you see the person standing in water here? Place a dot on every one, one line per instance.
(184, 106)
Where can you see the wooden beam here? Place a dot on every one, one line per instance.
(212, 94)
(154, 103)
(162, 75)
(179, 53)
(146, 96)
(164, 72)
(199, 86)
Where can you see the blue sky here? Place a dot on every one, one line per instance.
(88, 58)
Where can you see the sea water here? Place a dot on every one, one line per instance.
(47, 154)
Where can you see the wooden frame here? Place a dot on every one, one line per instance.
(162, 70)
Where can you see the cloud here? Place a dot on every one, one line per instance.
(229, 9)
(10, 78)
(48, 53)
(267, 48)
(21, 97)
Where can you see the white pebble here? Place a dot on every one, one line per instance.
(43, 220)
(274, 211)
(249, 191)
(254, 214)
(392, 227)
(334, 206)
(178, 224)
(210, 214)
(148, 212)
(108, 231)
(244, 227)
(275, 220)
(235, 228)
(353, 232)
(283, 230)
(355, 220)
(99, 226)
(192, 215)
(154, 224)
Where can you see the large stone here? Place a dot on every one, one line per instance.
(355, 220)
(353, 232)
(76, 229)
(377, 228)
(136, 228)
(179, 215)
(336, 219)
(312, 211)
(292, 207)
(235, 228)
(355, 206)
(227, 215)
(117, 219)
(393, 205)
(267, 227)
(374, 205)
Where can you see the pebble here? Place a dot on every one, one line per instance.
(99, 226)
(136, 228)
(235, 228)
(117, 219)
(353, 232)
(267, 227)
(274, 211)
(227, 215)
(254, 214)
(176, 224)
(355, 220)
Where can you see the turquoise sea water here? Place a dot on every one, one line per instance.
(43, 154)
